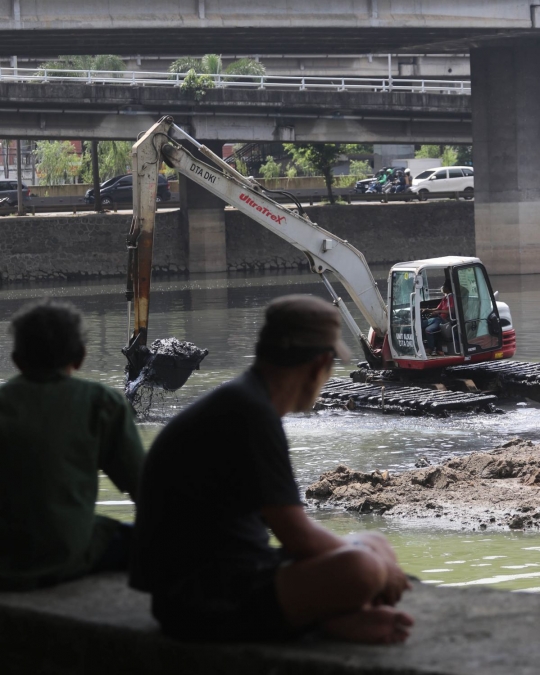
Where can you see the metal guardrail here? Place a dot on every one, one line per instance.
(222, 81)
(314, 198)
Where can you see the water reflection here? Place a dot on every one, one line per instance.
(223, 315)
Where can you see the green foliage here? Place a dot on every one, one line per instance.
(428, 152)
(270, 169)
(211, 64)
(108, 62)
(345, 181)
(242, 167)
(246, 67)
(359, 169)
(357, 148)
(464, 155)
(319, 158)
(114, 159)
(185, 64)
(60, 66)
(56, 162)
(196, 85)
(291, 171)
(449, 156)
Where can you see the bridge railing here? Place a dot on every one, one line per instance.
(142, 78)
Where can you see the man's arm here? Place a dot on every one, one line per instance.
(304, 538)
(122, 454)
(299, 535)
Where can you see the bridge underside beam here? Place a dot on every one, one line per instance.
(340, 39)
(506, 138)
(239, 128)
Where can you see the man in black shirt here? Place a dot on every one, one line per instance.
(219, 475)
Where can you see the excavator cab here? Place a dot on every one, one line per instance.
(472, 330)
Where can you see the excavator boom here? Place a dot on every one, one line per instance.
(325, 251)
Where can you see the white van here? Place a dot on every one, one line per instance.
(444, 179)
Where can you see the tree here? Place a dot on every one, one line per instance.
(464, 155)
(56, 161)
(319, 157)
(212, 64)
(449, 156)
(359, 169)
(196, 85)
(270, 169)
(246, 67)
(428, 152)
(60, 67)
(114, 159)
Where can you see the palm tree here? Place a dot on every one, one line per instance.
(62, 66)
(212, 64)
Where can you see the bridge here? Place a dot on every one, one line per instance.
(503, 39)
(305, 26)
(102, 105)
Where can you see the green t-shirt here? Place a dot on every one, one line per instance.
(56, 433)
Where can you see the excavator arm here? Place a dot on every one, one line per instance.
(325, 251)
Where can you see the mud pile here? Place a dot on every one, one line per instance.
(484, 490)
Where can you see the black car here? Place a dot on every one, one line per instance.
(8, 190)
(119, 190)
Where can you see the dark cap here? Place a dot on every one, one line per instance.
(297, 328)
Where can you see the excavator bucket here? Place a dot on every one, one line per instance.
(167, 364)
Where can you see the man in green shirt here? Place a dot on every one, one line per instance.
(56, 432)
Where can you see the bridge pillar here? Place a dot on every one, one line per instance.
(506, 144)
(206, 218)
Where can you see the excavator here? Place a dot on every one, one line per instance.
(478, 329)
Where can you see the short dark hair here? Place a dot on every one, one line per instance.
(47, 335)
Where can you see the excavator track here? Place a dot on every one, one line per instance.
(381, 390)
(505, 378)
(393, 397)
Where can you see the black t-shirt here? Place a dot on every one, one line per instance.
(206, 479)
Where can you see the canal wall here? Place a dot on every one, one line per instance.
(85, 245)
(71, 246)
(384, 233)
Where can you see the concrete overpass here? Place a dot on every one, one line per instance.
(62, 110)
(46, 27)
(503, 37)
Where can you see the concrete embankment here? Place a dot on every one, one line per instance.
(93, 245)
(98, 626)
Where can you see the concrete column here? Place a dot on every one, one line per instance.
(206, 216)
(506, 144)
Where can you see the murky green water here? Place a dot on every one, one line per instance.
(223, 315)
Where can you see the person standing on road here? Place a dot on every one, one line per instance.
(219, 475)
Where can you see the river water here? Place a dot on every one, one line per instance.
(223, 314)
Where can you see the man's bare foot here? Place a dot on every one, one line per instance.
(371, 625)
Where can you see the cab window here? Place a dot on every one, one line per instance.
(401, 333)
(477, 305)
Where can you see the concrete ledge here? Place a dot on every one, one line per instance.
(97, 626)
